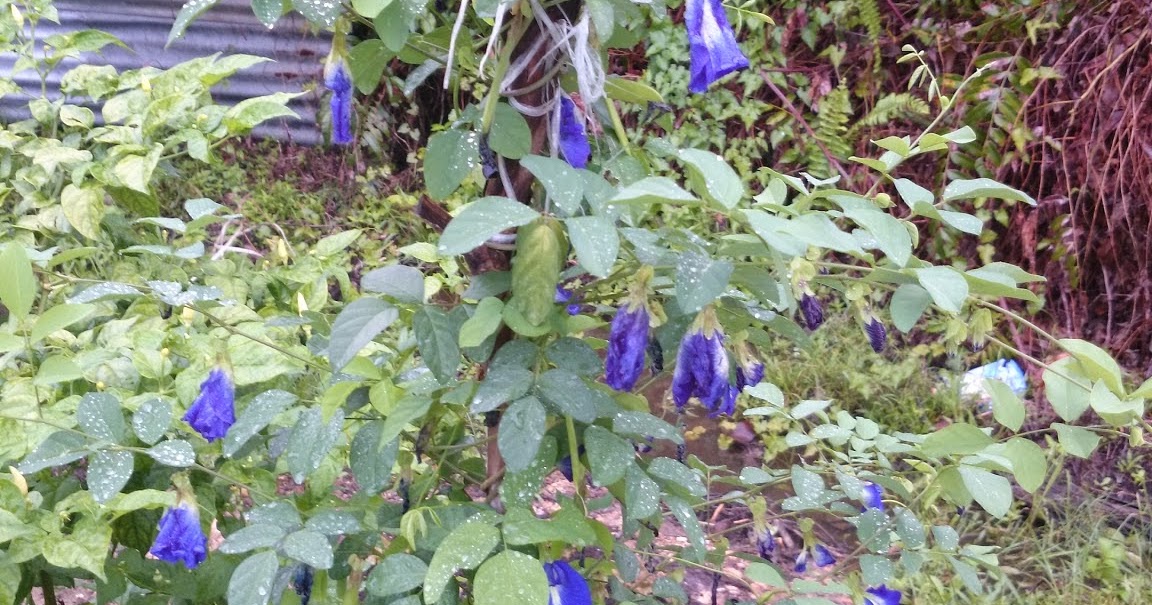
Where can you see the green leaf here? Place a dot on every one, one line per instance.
(85, 548)
(498, 575)
(641, 494)
(712, 178)
(482, 219)
(366, 62)
(410, 409)
(396, 574)
(100, 416)
(84, 208)
(692, 529)
(992, 491)
(502, 384)
(1096, 363)
(764, 573)
(372, 459)
(676, 477)
(191, 10)
(369, 9)
(1113, 409)
(59, 317)
(337, 242)
(57, 369)
(875, 569)
(700, 280)
(623, 89)
(596, 242)
(242, 117)
(908, 305)
(19, 287)
(570, 394)
(450, 158)
(135, 171)
(465, 548)
(1079, 442)
(576, 356)
(890, 234)
(174, 452)
(152, 420)
(609, 456)
(1006, 406)
(509, 136)
(520, 489)
(257, 535)
(308, 547)
(958, 438)
(356, 326)
(1029, 463)
(643, 425)
(483, 323)
(404, 283)
(437, 336)
(310, 441)
(568, 525)
(947, 286)
(909, 528)
(268, 11)
(108, 473)
(540, 254)
(564, 184)
(1068, 396)
(962, 189)
(251, 583)
(259, 413)
(521, 428)
(653, 190)
(319, 13)
(58, 448)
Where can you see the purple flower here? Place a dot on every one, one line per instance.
(564, 295)
(180, 539)
(822, 557)
(712, 44)
(627, 342)
(813, 313)
(765, 543)
(749, 371)
(877, 335)
(728, 406)
(882, 595)
(873, 496)
(213, 412)
(339, 83)
(573, 139)
(302, 583)
(701, 366)
(566, 585)
(801, 562)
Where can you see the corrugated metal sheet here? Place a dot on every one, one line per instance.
(230, 27)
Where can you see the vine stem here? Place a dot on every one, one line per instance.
(257, 339)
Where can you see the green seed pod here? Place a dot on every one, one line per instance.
(540, 249)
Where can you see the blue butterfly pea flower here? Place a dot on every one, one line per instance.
(627, 342)
(801, 562)
(712, 45)
(573, 138)
(749, 370)
(213, 412)
(566, 296)
(302, 583)
(877, 334)
(813, 312)
(339, 82)
(702, 366)
(180, 539)
(566, 585)
(765, 543)
(822, 557)
(882, 595)
(873, 496)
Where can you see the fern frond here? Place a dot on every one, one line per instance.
(869, 14)
(891, 107)
(831, 127)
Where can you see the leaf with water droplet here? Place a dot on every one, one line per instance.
(251, 583)
(465, 548)
(152, 420)
(712, 177)
(108, 473)
(308, 547)
(497, 576)
(449, 159)
(100, 416)
(174, 452)
(700, 280)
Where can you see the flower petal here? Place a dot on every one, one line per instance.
(573, 138)
(568, 587)
(213, 412)
(627, 343)
(180, 539)
(882, 595)
(712, 45)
